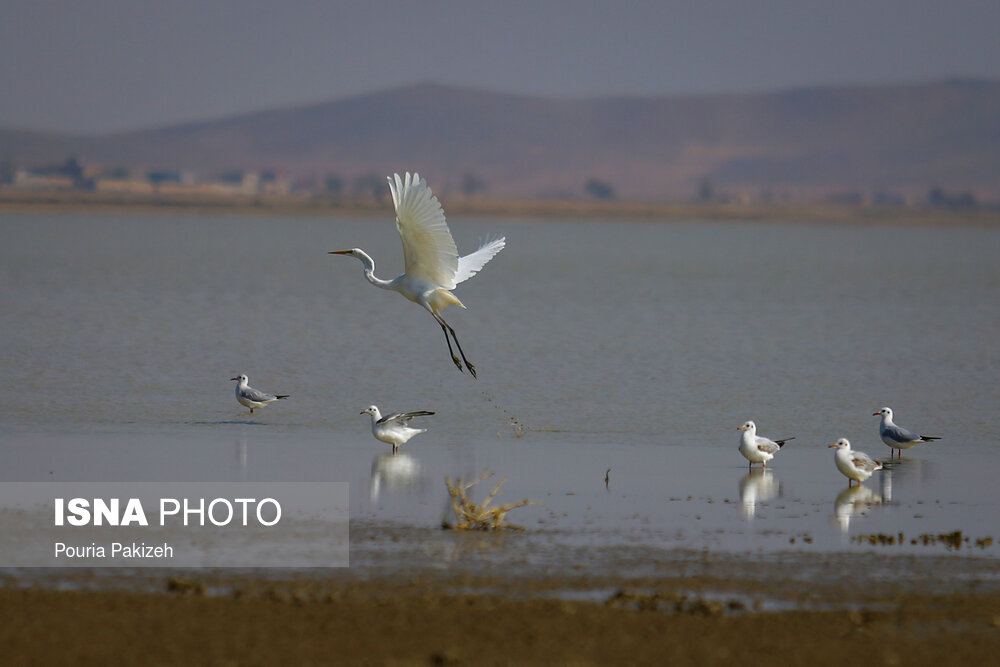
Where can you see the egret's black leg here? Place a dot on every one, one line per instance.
(447, 329)
(444, 328)
(468, 364)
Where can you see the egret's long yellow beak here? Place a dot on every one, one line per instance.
(339, 252)
(832, 444)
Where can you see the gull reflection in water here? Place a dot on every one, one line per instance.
(757, 486)
(906, 475)
(885, 485)
(393, 472)
(241, 457)
(853, 501)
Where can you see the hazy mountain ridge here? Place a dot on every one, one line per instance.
(868, 137)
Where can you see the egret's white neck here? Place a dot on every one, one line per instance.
(369, 264)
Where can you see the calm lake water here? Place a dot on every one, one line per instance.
(634, 346)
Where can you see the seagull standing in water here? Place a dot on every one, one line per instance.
(898, 437)
(394, 428)
(755, 448)
(856, 466)
(253, 398)
(432, 265)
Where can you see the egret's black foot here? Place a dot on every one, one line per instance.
(458, 363)
(472, 369)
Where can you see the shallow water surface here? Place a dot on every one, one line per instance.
(634, 347)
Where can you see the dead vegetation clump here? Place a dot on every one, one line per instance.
(470, 516)
(184, 586)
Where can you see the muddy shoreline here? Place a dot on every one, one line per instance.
(430, 620)
(708, 609)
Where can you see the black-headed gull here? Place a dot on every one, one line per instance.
(855, 466)
(394, 428)
(898, 437)
(755, 448)
(253, 398)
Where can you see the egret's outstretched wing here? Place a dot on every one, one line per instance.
(472, 263)
(429, 251)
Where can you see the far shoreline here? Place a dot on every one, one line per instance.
(466, 207)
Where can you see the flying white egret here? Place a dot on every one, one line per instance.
(394, 428)
(757, 449)
(432, 265)
(253, 398)
(856, 466)
(898, 437)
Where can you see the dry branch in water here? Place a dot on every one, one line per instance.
(469, 516)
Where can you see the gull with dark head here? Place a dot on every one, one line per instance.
(757, 449)
(253, 398)
(855, 466)
(898, 437)
(394, 428)
(432, 265)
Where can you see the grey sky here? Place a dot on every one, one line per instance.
(102, 65)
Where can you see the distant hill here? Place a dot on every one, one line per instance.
(893, 137)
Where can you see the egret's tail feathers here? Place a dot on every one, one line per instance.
(283, 396)
(473, 263)
(929, 438)
(442, 298)
(781, 443)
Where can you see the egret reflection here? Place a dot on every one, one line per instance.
(757, 486)
(853, 501)
(393, 472)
